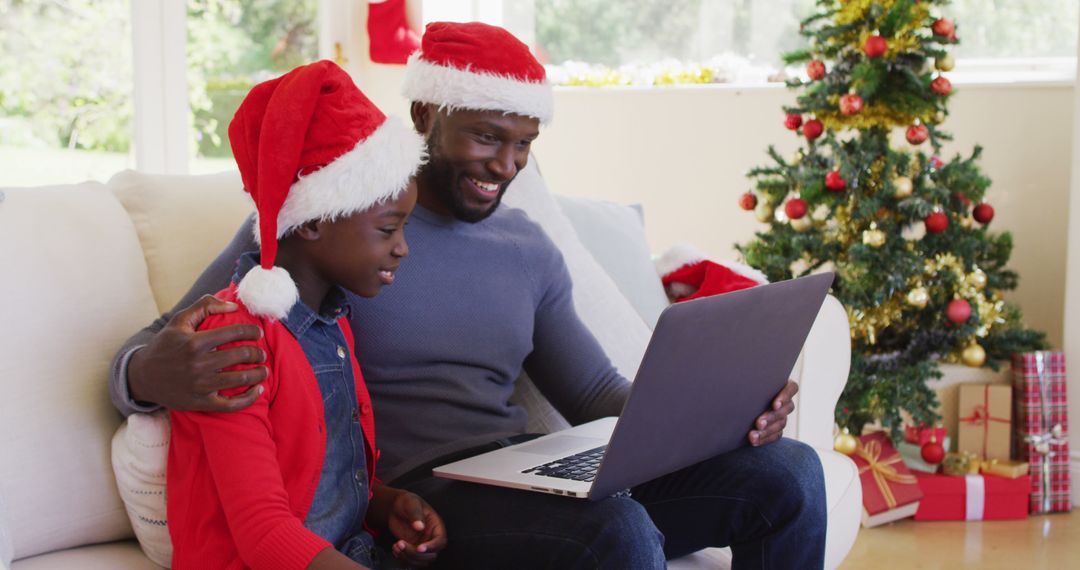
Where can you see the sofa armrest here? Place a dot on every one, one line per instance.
(822, 372)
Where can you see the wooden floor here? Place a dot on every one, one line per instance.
(1045, 541)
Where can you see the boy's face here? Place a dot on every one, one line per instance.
(361, 252)
(473, 157)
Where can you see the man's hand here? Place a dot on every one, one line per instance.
(770, 425)
(181, 369)
(418, 528)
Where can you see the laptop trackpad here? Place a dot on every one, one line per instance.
(558, 444)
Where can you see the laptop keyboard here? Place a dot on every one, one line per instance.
(578, 467)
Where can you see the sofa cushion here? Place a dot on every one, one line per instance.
(112, 556)
(7, 550)
(602, 307)
(75, 288)
(183, 223)
(615, 236)
(140, 457)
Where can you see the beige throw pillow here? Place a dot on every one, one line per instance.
(140, 457)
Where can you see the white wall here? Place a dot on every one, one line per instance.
(1072, 308)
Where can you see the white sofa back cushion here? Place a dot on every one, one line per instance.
(183, 223)
(75, 288)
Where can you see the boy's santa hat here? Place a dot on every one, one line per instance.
(480, 67)
(311, 146)
(684, 264)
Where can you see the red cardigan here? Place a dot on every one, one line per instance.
(240, 484)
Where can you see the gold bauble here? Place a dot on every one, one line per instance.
(802, 224)
(845, 443)
(796, 158)
(904, 186)
(918, 297)
(945, 63)
(939, 117)
(874, 238)
(974, 355)
(763, 212)
(967, 222)
(976, 279)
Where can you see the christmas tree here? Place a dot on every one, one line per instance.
(905, 231)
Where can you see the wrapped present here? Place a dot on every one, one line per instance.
(890, 491)
(972, 498)
(1041, 434)
(912, 454)
(1007, 469)
(922, 434)
(985, 427)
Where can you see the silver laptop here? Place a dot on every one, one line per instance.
(713, 365)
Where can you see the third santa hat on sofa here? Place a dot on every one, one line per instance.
(480, 67)
(311, 146)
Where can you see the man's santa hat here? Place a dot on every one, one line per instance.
(685, 265)
(311, 146)
(480, 67)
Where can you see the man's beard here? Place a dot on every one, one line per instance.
(440, 177)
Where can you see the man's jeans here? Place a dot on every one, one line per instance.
(767, 503)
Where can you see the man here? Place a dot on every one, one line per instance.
(485, 295)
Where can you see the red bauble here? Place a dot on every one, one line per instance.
(875, 46)
(917, 134)
(936, 163)
(835, 182)
(962, 198)
(851, 104)
(815, 69)
(795, 208)
(812, 129)
(983, 213)
(958, 311)
(936, 222)
(944, 27)
(941, 86)
(748, 201)
(793, 122)
(933, 453)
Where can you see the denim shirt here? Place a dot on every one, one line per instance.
(341, 498)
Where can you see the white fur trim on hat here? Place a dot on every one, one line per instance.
(454, 88)
(377, 169)
(268, 292)
(677, 256)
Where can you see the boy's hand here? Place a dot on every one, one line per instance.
(418, 527)
(769, 426)
(181, 367)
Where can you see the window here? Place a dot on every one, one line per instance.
(660, 41)
(65, 90)
(232, 45)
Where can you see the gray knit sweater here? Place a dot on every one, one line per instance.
(440, 349)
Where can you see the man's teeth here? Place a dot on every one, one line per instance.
(486, 186)
(386, 273)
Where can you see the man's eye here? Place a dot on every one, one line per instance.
(488, 138)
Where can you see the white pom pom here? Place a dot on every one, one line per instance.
(268, 292)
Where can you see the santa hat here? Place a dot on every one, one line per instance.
(685, 264)
(480, 67)
(311, 146)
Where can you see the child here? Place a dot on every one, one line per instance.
(289, 481)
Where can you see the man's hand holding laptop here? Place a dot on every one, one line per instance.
(770, 425)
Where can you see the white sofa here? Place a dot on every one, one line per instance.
(84, 266)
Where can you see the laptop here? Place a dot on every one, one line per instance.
(712, 366)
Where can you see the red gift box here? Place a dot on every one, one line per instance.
(889, 490)
(922, 434)
(972, 498)
(1040, 435)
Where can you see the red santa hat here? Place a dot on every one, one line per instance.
(311, 146)
(478, 66)
(686, 265)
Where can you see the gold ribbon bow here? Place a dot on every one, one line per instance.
(883, 471)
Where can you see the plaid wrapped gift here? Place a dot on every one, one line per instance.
(1041, 428)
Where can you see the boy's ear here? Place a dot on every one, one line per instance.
(309, 231)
